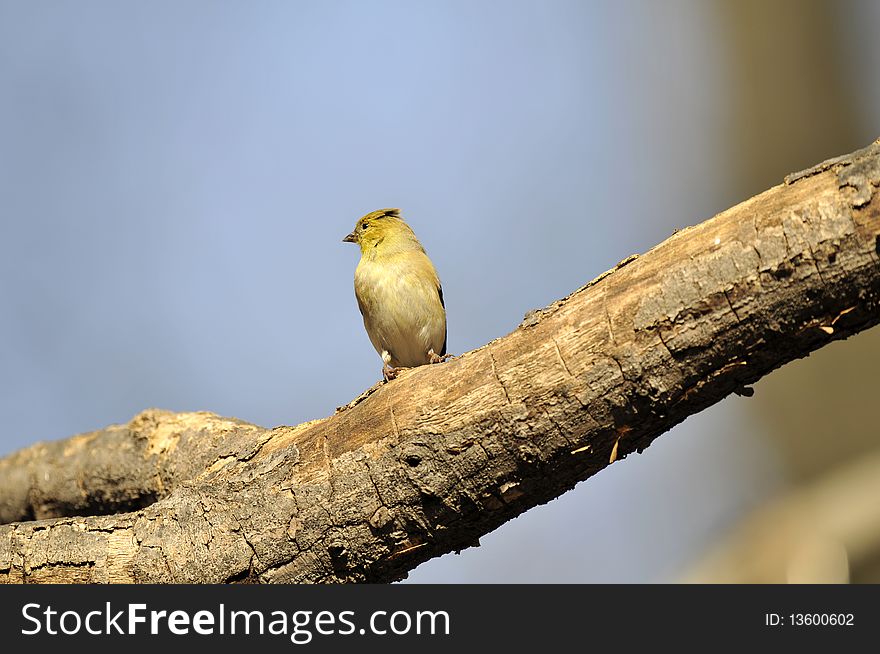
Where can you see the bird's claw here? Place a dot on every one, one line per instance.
(389, 372)
(437, 358)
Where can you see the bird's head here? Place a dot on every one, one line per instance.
(383, 228)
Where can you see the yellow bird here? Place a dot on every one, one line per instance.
(398, 292)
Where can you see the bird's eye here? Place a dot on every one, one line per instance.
(363, 225)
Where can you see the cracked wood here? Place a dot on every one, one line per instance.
(444, 454)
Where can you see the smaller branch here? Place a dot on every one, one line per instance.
(826, 532)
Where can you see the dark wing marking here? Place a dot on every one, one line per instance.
(442, 304)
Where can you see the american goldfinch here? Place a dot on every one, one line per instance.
(398, 293)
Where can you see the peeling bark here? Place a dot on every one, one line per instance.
(428, 463)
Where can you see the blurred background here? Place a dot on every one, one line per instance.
(176, 179)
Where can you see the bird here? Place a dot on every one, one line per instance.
(398, 293)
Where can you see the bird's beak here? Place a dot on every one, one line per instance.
(351, 238)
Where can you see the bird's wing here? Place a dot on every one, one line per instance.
(442, 304)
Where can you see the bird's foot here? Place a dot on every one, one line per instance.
(436, 358)
(390, 372)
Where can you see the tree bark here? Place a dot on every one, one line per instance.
(428, 463)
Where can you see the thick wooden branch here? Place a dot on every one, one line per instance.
(444, 454)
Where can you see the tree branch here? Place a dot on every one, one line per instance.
(444, 454)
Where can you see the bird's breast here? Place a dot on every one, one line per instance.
(401, 306)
